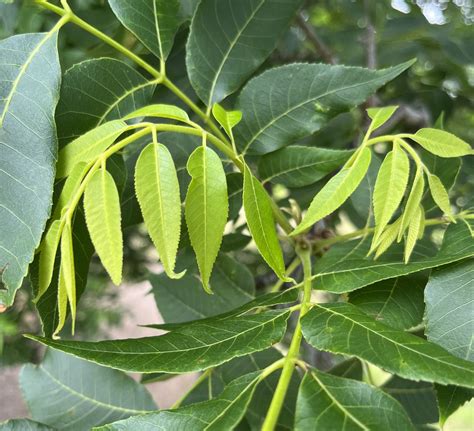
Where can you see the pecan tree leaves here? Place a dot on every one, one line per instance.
(229, 40)
(30, 80)
(193, 347)
(343, 328)
(65, 392)
(442, 143)
(300, 110)
(153, 22)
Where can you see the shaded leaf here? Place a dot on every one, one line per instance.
(450, 399)
(23, 425)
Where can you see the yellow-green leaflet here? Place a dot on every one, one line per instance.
(206, 208)
(62, 303)
(390, 187)
(260, 221)
(440, 195)
(88, 146)
(157, 189)
(414, 200)
(413, 232)
(67, 269)
(337, 190)
(72, 183)
(227, 119)
(441, 143)
(160, 110)
(103, 218)
(386, 239)
(49, 248)
(380, 116)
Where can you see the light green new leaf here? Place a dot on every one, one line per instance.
(61, 305)
(441, 143)
(328, 402)
(413, 233)
(227, 119)
(68, 393)
(386, 239)
(193, 347)
(228, 41)
(337, 190)
(344, 329)
(103, 218)
(413, 201)
(390, 187)
(30, 75)
(259, 215)
(157, 188)
(380, 116)
(88, 146)
(206, 208)
(48, 250)
(171, 112)
(223, 412)
(68, 276)
(298, 166)
(300, 110)
(153, 22)
(440, 195)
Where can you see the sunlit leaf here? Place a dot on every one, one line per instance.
(442, 143)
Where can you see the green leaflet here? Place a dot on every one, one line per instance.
(68, 277)
(259, 215)
(441, 143)
(300, 110)
(61, 305)
(413, 233)
(229, 41)
(65, 392)
(343, 328)
(413, 202)
(227, 119)
(198, 346)
(440, 195)
(116, 90)
(28, 148)
(223, 412)
(161, 111)
(88, 146)
(337, 190)
(386, 239)
(390, 187)
(450, 399)
(298, 166)
(48, 250)
(23, 425)
(157, 190)
(329, 402)
(102, 210)
(206, 208)
(380, 116)
(153, 22)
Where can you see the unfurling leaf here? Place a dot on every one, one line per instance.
(413, 202)
(61, 303)
(103, 218)
(67, 274)
(206, 208)
(258, 211)
(88, 146)
(441, 143)
(413, 233)
(380, 116)
(337, 190)
(390, 187)
(386, 238)
(157, 189)
(227, 119)
(440, 195)
(170, 112)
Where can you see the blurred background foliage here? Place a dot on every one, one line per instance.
(376, 34)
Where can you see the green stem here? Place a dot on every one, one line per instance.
(289, 361)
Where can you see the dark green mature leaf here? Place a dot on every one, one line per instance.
(193, 347)
(343, 328)
(96, 91)
(417, 398)
(183, 300)
(30, 77)
(23, 425)
(235, 185)
(303, 98)
(346, 267)
(449, 296)
(350, 369)
(450, 399)
(69, 393)
(153, 22)
(298, 166)
(398, 301)
(330, 402)
(221, 413)
(229, 40)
